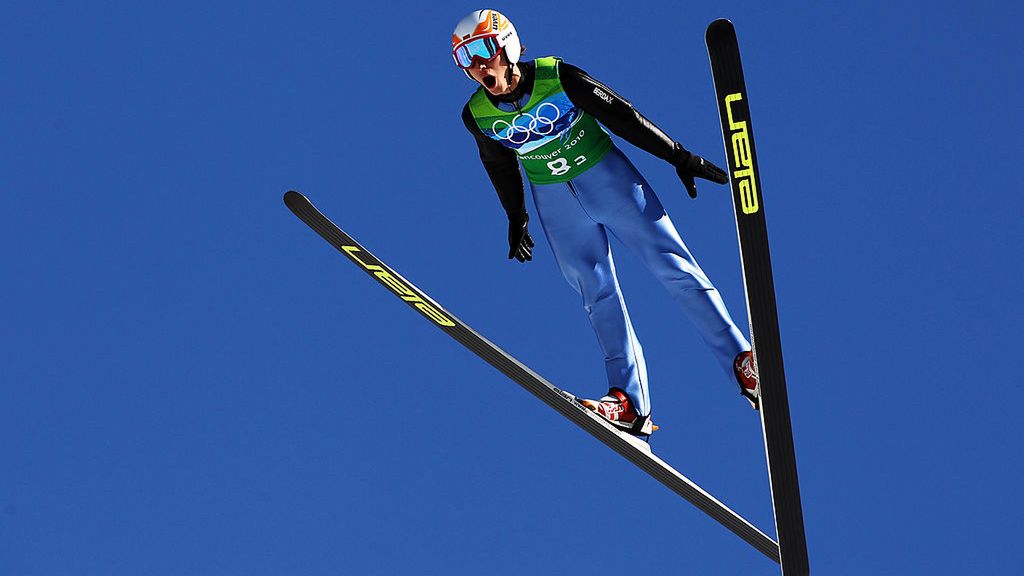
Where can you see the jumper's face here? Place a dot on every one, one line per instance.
(492, 74)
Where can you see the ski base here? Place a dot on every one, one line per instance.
(632, 448)
(752, 231)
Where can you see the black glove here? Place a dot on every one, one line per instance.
(690, 166)
(520, 244)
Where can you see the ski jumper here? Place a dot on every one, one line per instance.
(586, 190)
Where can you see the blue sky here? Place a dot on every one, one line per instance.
(193, 383)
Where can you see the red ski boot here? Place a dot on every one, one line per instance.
(746, 376)
(619, 411)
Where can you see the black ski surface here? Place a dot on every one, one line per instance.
(738, 133)
(633, 449)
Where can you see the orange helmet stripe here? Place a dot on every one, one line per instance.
(485, 24)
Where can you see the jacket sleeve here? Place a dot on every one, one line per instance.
(616, 113)
(502, 167)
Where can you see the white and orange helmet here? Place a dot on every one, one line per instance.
(483, 34)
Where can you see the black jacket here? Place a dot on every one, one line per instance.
(594, 98)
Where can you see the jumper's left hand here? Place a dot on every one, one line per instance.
(520, 243)
(691, 166)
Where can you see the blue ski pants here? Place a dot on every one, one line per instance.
(613, 197)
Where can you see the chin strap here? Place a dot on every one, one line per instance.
(508, 71)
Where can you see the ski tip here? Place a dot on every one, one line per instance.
(291, 198)
(719, 27)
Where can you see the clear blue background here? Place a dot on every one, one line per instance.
(194, 383)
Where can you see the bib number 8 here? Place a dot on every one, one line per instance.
(558, 167)
(561, 165)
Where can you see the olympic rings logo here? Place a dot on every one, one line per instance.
(517, 132)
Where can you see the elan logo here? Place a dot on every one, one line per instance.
(401, 289)
(743, 158)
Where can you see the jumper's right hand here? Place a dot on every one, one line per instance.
(520, 244)
(690, 166)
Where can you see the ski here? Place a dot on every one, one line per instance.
(752, 230)
(632, 448)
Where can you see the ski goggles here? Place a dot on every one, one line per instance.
(484, 48)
